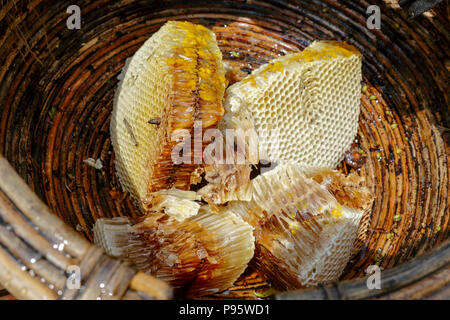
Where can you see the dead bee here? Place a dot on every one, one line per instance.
(355, 157)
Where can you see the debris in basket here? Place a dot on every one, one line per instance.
(355, 156)
(364, 88)
(377, 257)
(118, 195)
(415, 8)
(97, 164)
(52, 113)
(234, 72)
(235, 54)
(441, 129)
(80, 228)
(265, 294)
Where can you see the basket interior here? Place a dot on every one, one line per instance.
(57, 87)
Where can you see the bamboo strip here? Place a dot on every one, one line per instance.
(151, 286)
(20, 283)
(31, 259)
(119, 282)
(31, 206)
(133, 295)
(443, 294)
(411, 271)
(397, 278)
(423, 288)
(89, 262)
(99, 278)
(69, 294)
(26, 231)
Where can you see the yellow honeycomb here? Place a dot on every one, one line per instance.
(304, 106)
(174, 80)
(304, 236)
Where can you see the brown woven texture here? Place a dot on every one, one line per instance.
(57, 87)
(38, 254)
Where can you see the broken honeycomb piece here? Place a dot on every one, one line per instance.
(304, 106)
(174, 81)
(304, 236)
(202, 254)
(228, 175)
(226, 181)
(177, 204)
(349, 191)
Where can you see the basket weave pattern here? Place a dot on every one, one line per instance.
(57, 87)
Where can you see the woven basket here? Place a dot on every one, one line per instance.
(56, 93)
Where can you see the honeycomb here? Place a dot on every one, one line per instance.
(349, 191)
(174, 82)
(178, 204)
(202, 254)
(304, 106)
(226, 181)
(304, 236)
(299, 111)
